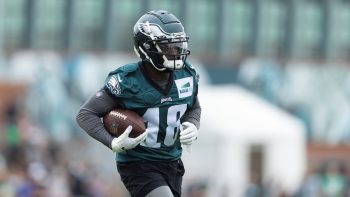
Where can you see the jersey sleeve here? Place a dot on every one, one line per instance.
(119, 84)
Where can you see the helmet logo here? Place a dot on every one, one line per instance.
(148, 28)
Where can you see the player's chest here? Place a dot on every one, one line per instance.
(178, 91)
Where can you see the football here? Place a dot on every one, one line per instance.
(117, 120)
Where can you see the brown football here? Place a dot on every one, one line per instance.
(117, 120)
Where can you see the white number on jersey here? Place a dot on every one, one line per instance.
(173, 120)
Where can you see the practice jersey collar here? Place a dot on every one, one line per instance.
(153, 83)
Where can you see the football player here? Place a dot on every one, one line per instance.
(162, 88)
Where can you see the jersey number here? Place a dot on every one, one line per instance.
(170, 118)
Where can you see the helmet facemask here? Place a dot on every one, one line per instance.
(163, 50)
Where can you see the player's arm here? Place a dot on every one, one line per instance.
(190, 124)
(193, 114)
(90, 113)
(89, 119)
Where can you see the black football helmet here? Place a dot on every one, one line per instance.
(160, 39)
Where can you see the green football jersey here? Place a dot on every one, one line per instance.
(160, 108)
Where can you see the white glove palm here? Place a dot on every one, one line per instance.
(188, 133)
(124, 142)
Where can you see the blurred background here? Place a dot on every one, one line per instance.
(274, 89)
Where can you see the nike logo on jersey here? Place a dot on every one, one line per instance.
(184, 87)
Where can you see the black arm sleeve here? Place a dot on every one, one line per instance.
(193, 115)
(89, 116)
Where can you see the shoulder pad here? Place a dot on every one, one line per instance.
(127, 68)
(192, 70)
(117, 82)
(188, 65)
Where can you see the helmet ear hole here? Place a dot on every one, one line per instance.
(146, 46)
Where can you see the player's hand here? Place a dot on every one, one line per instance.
(124, 142)
(188, 133)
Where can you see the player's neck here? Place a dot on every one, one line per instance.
(156, 75)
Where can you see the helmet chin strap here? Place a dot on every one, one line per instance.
(150, 60)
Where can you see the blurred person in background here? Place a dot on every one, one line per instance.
(162, 88)
(311, 184)
(334, 182)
